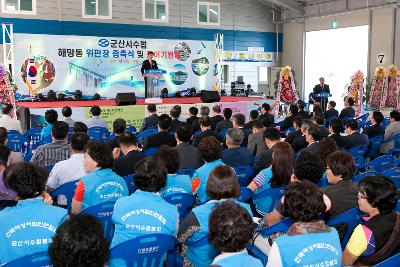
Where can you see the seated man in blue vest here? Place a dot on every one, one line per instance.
(236, 155)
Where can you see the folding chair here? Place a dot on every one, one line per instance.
(184, 203)
(103, 212)
(244, 174)
(37, 259)
(390, 262)
(99, 134)
(67, 190)
(358, 178)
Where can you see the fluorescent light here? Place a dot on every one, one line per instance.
(10, 7)
(163, 17)
(93, 2)
(213, 11)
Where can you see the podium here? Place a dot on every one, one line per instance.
(324, 98)
(153, 85)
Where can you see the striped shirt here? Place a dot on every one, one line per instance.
(52, 153)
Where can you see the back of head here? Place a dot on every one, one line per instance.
(395, 114)
(380, 192)
(332, 103)
(305, 124)
(4, 155)
(319, 119)
(217, 109)
(178, 108)
(7, 108)
(337, 125)
(3, 135)
(258, 124)
(210, 149)
(205, 121)
(239, 119)
(230, 227)
(266, 107)
(352, 124)
(127, 139)
(175, 113)
(79, 141)
(164, 122)
(326, 146)
(350, 101)
(51, 116)
(194, 111)
(234, 136)
(151, 108)
(272, 134)
(150, 175)
(293, 109)
(222, 183)
(60, 130)
(79, 241)
(101, 153)
(377, 116)
(204, 110)
(297, 121)
(253, 114)
(308, 166)
(315, 132)
(119, 126)
(227, 113)
(95, 111)
(170, 157)
(341, 163)
(304, 201)
(301, 104)
(184, 132)
(66, 112)
(282, 164)
(80, 127)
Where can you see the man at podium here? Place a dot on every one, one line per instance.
(321, 88)
(148, 64)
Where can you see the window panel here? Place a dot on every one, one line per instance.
(26, 5)
(12, 5)
(203, 13)
(149, 9)
(160, 9)
(90, 7)
(103, 8)
(213, 14)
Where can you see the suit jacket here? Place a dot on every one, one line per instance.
(246, 137)
(292, 135)
(318, 89)
(159, 139)
(355, 139)
(223, 125)
(324, 131)
(299, 143)
(215, 120)
(174, 125)
(392, 129)
(126, 165)
(149, 122)
(192, 119)
(256, 143)
(264, 160)
(238, 156)
(189, 157)
(146, 65)
(287, 123)
(312, 147)
(113, 143)
(268, 119)
(330, 113)
(303, 113)
(338, 139)
(374, 130)
(198, 137)
(349, 111)
(249, 125)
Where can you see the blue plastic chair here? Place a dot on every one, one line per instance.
(34, 136)
(394, 138)
(38, 259)
(390, 262)
(103, 212)
(46, 140)
(358, 151)
(129, 183)
(98, 133)
(151, 151)
(49, 167)
(359, 162)
(351, 218)
(275, 194)
(17, 142)
(347, 118)
(322, 183)
(147, 250)
(394, 175)
(397, 208)
(358, 178)
(67, 190)
(374, 144)
(362, 120)
(131, 129)
(245, 194)
(244, 174)
(385, 123)
(222, 133)
(143, 134)
(188, 172)
(184, 203)
(380, 164)
(111, 136)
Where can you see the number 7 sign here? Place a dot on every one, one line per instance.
(381, 58)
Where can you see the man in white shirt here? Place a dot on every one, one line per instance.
(95, 120)
(70, 169)
(6, 121)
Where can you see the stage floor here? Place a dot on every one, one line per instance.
(101, 103)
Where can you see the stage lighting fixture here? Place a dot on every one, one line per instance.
(41, 97)
(164, 93)
(192, 91)
(61, 96)
(51, 95)
(78, 94)
(96, 96)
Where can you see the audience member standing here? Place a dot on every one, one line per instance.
(6, 121)
(67, 112)
(321, 88)
(152, 119)
(96, 120)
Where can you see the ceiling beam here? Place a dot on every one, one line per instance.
(286, 4)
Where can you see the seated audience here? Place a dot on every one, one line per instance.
(7, 121)
(150, 178)
(288, 121)
(174, 113)
(370, 241)
(325, 148)
(119, 127)
(376, 129)
(226, 123)
(204, 111)
(300, 142)
(205, 126)
(266, 117)
(271, 138)
(297, 130)
(256, 142)
(331, 112)
(28, 182)
(151, 120)
(236, 155)
(313, 136)
(56, 151)
(216, 118)
(303, 113)
(238, 121)
(162, 137)
(317, 109)
(5, 193)
(79, 242)
(278, 175)
(176, 183)
(210, 152)
(391, 130)
(189, 157)
(129, 147)
(96, 120)
(51, 117)
(304, 203)
(193, 119)
(335, 128)
(14, 156)
(71, 169)
(348, 108)
(100, 184)
(319, 120)
(181, 118)
(253, 117)
(221, 186)
(230, 229)
(80, 127)
(67, 113)
(354, 138)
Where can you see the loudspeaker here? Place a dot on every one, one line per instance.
(125, 99)
(96, 96)
(209, 96)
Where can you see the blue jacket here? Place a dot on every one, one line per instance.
(238, 156)
(177, 184)
(202, 173)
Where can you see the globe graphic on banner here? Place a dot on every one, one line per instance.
(200, 66)
(184, 51)
(37, 73)
(178, 74)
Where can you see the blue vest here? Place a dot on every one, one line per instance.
(263, 205)
(177, 184)
(310, 249)
(203, 255)
(27, 228)
(143, 213)
(101, 186)
(237, 259)
(203, 173)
